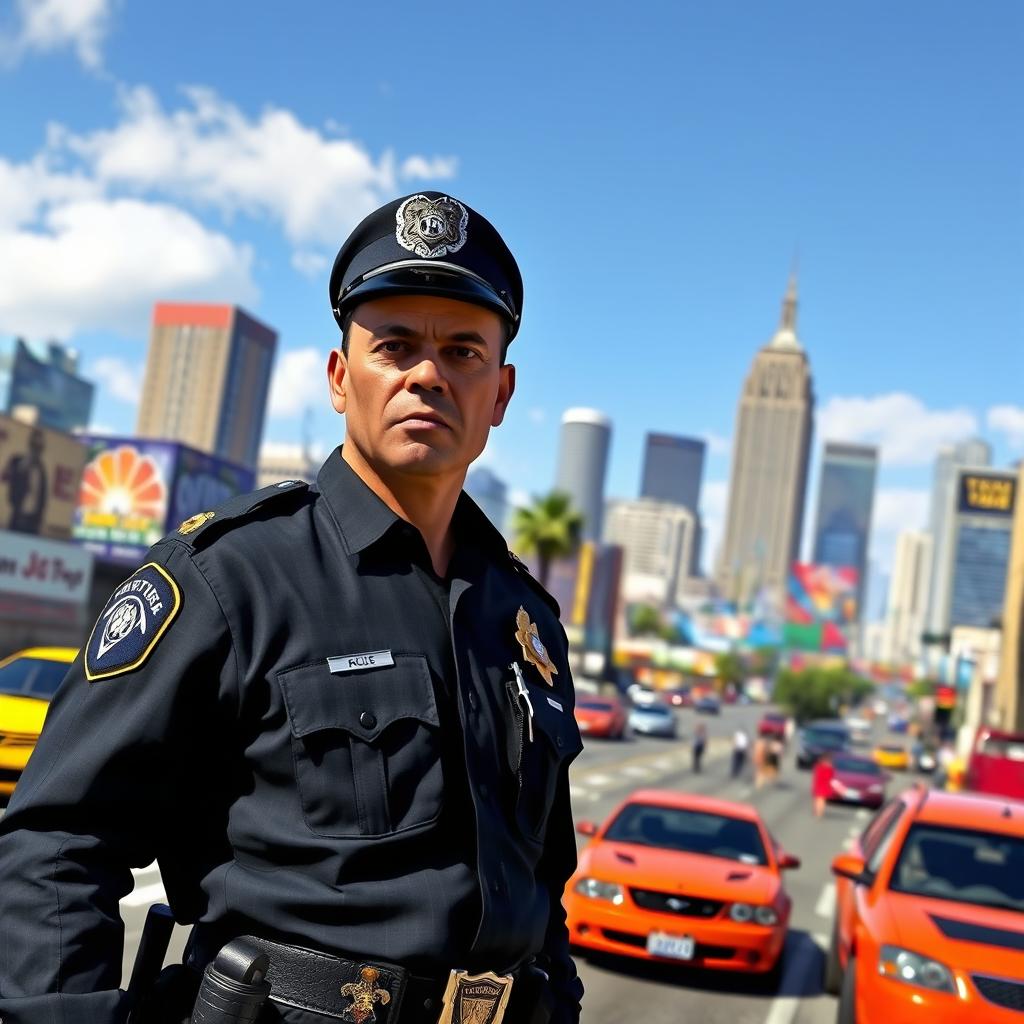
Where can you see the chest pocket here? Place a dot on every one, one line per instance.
(366, 747)
(538, 766)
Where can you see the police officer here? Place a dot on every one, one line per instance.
(339, 717)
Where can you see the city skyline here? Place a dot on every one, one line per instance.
(795, 128)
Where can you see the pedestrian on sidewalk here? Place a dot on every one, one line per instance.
(700, 741)
(740, 743)
(821, 783)
(760, 756)
(772, 759)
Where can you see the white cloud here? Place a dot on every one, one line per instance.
(311, 264)
(299, 381)
(46, 25)
(1008, 420)
(906, 431)
(717, 445)
(274, 166)
(121, 379)
(103, 263)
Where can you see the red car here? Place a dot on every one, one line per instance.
(600, 716)
(773, 723)
(857, 780)
(996, 764)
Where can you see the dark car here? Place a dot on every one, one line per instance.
(707, 705)
(819, 738)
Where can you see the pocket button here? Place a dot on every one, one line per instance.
(367, 721)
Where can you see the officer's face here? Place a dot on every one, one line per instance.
(422, 383)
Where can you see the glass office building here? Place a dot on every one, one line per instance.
(846, 497)
(45, 377)
(673, 470)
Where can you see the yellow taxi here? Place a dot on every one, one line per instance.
(28, 679)
(892, 756)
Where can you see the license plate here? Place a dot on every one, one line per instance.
(678, 947)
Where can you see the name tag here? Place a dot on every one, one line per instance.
(554, 703)
(354, 662)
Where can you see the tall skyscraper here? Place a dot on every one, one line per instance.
(45, 378)
(207, 379)
(582, 464)
(908, 598)
(972, 453)
(768, 481)
(673, 469)
(979, 536)
(656, 538)
(846, 496)
(490, 492)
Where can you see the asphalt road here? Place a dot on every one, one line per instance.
(617, 990)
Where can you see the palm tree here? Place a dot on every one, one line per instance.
(550, 528)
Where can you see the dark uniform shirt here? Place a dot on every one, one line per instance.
(397, 810)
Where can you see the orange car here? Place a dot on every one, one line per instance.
(684, 878)
(930, 913)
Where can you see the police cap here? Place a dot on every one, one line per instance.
(428, 244)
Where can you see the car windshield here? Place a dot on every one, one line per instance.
(32, 677)
(772, 717)
(1002, 746)
(857, 765)
(595, 705)
(893, 750)
(658, 710)
(830, 738)
(685, 831)
(961, 865)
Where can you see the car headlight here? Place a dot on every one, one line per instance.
(915, 969)
(765, 915)
(597, 890)
(741, 912)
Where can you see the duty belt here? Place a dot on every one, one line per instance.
(363, 991)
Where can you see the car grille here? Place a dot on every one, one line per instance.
(1001, 992)
(701, 950)
(673, 903)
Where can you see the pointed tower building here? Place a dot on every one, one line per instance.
(768, 481)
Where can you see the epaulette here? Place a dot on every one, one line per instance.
(200, 529)
(524, 573)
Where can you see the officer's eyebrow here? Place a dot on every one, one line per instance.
(395, 331)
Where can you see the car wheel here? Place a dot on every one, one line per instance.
(846, 1013)
(832, 981)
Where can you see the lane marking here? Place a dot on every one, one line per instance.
(826, 905)
(639, 772)
(599, 780)
(848, 843)
(145, 894)
(795, 978)
(862, 814)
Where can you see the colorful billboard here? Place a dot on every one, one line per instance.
(39, 474)
(821, 607)
(134, 491)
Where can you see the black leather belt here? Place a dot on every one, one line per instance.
(375, 992)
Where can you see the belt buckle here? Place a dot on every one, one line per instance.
(475, 998)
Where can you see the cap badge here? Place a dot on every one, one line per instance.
(431, 227)
(533, 648)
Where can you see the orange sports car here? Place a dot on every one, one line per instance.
(930, 913)
(678, 877)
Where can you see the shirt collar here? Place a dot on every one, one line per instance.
(364, 519)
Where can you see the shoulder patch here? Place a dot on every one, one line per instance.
(524, 573)
(204, 527)
(135, 617)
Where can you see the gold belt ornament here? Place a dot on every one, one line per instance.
(475, 998)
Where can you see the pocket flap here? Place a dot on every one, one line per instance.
(362, 703)
(558, 727)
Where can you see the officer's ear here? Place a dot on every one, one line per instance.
(506, 385)
(337, 369)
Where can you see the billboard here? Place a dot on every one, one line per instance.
(821, 607)
(987, 494)
(39, 474)
(135, 490)
(44, 570)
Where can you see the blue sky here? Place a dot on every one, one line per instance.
(655, 174)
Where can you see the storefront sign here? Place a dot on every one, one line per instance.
(43, 570)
